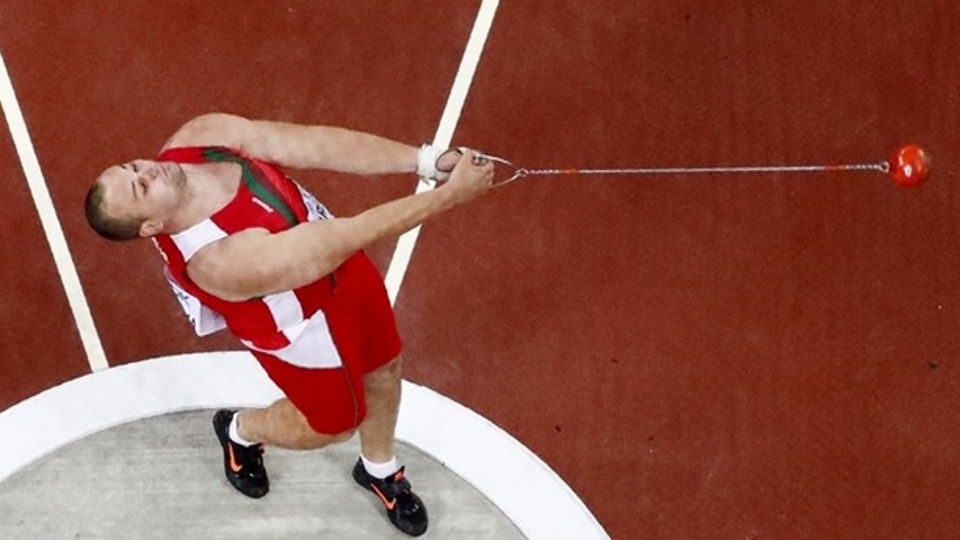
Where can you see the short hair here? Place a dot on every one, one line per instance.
(107, 226)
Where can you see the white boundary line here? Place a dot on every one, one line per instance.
(448, 124)
(51, 223)
(522, 486)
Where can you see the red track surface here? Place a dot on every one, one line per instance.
(768, 356)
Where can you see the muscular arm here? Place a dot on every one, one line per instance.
(299, 146)
(256, 263)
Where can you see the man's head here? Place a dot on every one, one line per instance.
(135, 200)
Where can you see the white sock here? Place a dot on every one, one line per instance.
(380, 470)
(235, 433)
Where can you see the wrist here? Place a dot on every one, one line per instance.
(427, 162)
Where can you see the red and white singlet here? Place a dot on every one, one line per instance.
(316, 341)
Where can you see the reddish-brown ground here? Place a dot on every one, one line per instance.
(724, 357)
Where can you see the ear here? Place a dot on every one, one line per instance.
(150, 228)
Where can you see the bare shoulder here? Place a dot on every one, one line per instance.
(222, 267)
(211, 129)
(216, 256)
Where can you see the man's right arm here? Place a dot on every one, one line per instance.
(255, 262)
(299, 146)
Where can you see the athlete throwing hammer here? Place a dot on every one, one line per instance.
(247, 248)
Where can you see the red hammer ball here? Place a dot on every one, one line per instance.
(910, 166)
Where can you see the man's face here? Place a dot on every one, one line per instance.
(145, 190)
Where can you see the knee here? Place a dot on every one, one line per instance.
(335, 426)
(312, 438)
(296, 430)
(341, 436)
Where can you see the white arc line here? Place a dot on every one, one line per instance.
(528, 492)
(448, 123)
(51, 224)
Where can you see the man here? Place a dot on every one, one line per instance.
(247, 248)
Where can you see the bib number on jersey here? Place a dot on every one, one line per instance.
(204, 320)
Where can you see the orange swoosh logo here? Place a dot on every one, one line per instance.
(234, 466)
(389, 503)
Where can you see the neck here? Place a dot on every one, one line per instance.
(208, 187)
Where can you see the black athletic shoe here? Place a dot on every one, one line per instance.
(404, 508)
(243, 465)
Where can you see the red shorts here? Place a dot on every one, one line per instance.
(361, 321)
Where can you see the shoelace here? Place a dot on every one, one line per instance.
(393, 486)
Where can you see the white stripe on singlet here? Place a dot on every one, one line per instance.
(190, 241)
(311, 343)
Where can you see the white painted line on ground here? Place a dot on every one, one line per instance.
(51, 223)
(448, 124)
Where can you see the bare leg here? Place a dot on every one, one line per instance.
(377, 431)
(283, 425)
(404, 508)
